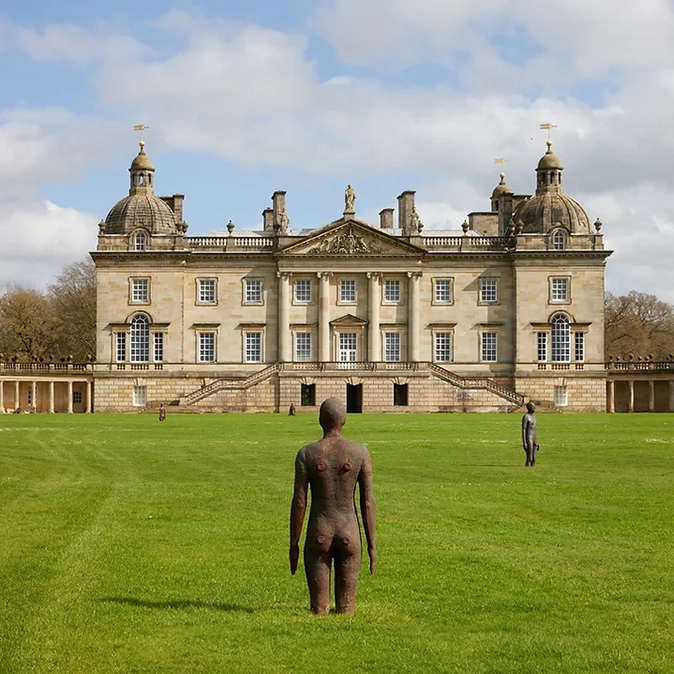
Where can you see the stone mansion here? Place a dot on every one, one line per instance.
(386, 317)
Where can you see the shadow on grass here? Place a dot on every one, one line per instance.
(177, 604)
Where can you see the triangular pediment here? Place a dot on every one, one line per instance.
(348, 320)
(351, 238)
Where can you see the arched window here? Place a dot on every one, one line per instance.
(561, 339)
(140, 241)
(558, 240)
(140, 339)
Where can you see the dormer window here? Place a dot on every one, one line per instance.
(140, 242)
(558, 240)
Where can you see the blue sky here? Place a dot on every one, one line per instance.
(245, 98)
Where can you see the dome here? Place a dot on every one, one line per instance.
(141, 162)
(544, 212)
(501, 188)
(141, 210)
(549, 160)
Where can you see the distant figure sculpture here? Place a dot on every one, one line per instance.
(349, 200)
(162, 412)
(529, 437)
(291, 410)
(332, 467)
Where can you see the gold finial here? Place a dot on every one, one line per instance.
(141, 128)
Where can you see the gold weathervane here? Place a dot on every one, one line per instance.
(547, 126)
(141, 128)
(500, 160)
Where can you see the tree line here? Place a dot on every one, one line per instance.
(60, 323)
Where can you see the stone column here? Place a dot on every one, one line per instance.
(611, 396)
(651, 396)
(414, 316)
(17, 391)
(87, 407)
(284, 355)
(70, 396)
(33, 395)
(324, 316)
(671, 396)
(631, 401)
(374, 300)
(51, 397)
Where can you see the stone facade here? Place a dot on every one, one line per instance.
(387, 318)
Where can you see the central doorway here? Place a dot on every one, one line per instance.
(354, 398)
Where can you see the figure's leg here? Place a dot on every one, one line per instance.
(347, 568)
(317, 563)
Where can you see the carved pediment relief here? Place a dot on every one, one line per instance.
(351, 239)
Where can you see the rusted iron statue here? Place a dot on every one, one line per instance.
(331, 468)
(529, 435)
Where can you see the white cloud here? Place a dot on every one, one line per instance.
(39, 239)
(253, 96)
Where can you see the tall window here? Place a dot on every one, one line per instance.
(559, 289)
(254, 291)
(302, 346)
(391, 291)
(488, 349)
(392, 346)
(303, 291)
(579, 344)
(560, 339)
(206, 347)
(140, 290)
(140, 242)
(443, 347)
(207, 291)
(158, 347)
(347, 291)
(542, 346)
(558, 240)
(140, 339)
(489, 291)
(561, 396)
(253, 347)
(443, 290)
(121, 347)
(139, 396)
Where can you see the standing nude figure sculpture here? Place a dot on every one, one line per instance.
(331, 468)
(529, 436)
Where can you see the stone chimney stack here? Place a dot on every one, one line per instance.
(268, 219)
(405, 208)
(386, 218)
(505, 212)
(279, 211)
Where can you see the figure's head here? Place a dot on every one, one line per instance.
(531, 408)
(332, 414)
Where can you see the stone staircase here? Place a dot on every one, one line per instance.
(511, 396)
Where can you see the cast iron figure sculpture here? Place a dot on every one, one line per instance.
(332, 467)
(529, 437)
(162, 412)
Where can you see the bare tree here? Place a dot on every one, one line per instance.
(73, 297)
(638, 325)
(28, 326)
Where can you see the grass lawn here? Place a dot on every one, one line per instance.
(127, 545)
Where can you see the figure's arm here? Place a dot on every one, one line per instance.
(524, 431)
(368, 508)
(298, 509)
